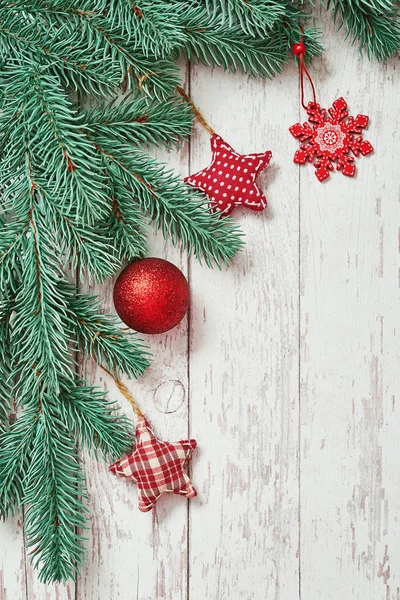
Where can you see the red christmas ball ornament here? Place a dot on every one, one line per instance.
(151, 295)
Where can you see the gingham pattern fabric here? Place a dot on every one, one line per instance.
(156, 466)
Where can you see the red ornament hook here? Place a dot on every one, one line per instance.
(300, 50)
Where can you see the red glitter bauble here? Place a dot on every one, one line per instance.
(151, 295)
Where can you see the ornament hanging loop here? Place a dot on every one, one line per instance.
(299, 50)
(196, 111)
(125, 392)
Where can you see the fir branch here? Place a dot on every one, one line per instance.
(255, 18)
(213, 42)
(54, 489)
(66, 164)
(89, 250)
(179, 211)
(140, 122)
(16, 443)
(162, 30)
(94, 421)
(5, 365)
(154, 26)
(62, 46)
(217, 45)
(375, 24)
(127, 225)
(40, 332)
(93, 26)
(11, 243)
(99, 336)
(156, 77)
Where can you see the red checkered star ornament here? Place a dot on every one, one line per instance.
(230, 179)
(156, 466)
(331, 139)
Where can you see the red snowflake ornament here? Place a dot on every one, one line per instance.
(331, 139)
(230, 179)
(156, 466)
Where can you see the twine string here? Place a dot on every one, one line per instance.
(125, 392)
(196, 111)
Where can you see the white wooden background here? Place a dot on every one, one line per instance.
(286, 372)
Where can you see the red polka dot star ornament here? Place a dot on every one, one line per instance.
(230, 180)
(151, 295)
(333, 138)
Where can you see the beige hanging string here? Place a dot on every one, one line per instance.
(196, 111)
(125, 392)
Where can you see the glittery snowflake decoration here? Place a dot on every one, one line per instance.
(331, 139)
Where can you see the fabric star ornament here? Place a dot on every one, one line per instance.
(331, 139)
(156, 466)
(230, 179)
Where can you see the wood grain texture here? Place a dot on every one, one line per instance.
(286, 372)
(349, 258)
(244, 385)
(12, 556)
(132, 555)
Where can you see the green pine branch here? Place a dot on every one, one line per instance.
(40, 330)
(175, 208)
(156, 26)
(256, 18)
(127, 225)
(139, 122)
(16, 443)
(6, 308)
(38, 463)
(95, 421)
(66, 164)
(11, 242)
(228, 48)
(374, 24)
(99, 336)
(57, 43)
(89, 250)
(54, 493)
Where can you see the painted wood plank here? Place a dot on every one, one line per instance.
(244, 361)
(350, 322)
(132, 555)
(12, 559)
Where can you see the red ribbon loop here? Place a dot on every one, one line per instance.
(300, 50)
(304, 71)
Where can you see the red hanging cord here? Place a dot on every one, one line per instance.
(303, 70)
(300, 50)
